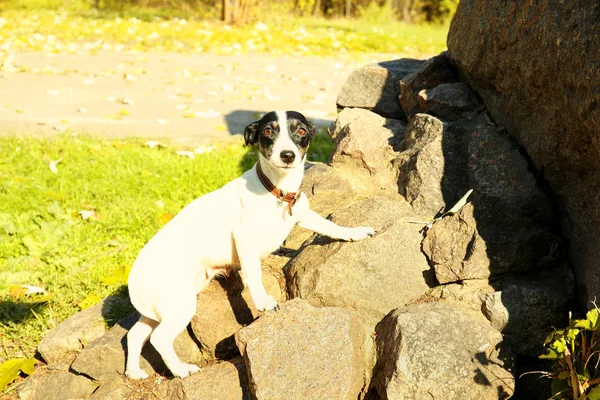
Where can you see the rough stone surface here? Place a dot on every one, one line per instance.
(302, 352)
(223, 381)
(104, 358)
(222, 309)
(328, 190)
(526, 310)
(432, 73)
(63, 342)
(481, 242)
(434, 351)
(115, 389)
(372, 276)
(56, 385)
(375, 87)
(431, 165)
(365, 142)
(536, 68)
(448, 101)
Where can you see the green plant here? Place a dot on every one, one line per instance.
(575, 351)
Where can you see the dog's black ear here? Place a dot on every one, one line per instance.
(251, 133)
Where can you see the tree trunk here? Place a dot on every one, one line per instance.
(226, 11)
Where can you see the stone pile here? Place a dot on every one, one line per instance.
(443, 309)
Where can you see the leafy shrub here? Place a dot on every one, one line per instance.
(575, 351)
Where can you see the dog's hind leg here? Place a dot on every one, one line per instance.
(136, 338)
(179, 312)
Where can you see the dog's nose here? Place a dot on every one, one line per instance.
(287, 156)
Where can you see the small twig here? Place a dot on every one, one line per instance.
(575, 384)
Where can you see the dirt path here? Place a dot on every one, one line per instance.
(158, 95)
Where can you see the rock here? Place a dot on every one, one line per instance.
(466, 295)
(224, 381)
(550, 107)
(55, 385)
(485, 242)
(448, 101)
(432, 166)
(364, 142)
(104, 358)
(372, 276)
(432, 73)
(527, 309)
(63, 342)
(434, 351)
(500, 174)
(375, 87)
(328, 190)
(115, 389)
(222, 309)
(302, 352)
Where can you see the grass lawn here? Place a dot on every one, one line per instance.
(75, 233)
(53, 31)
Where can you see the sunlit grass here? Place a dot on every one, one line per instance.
(126, 190)
(72, 32)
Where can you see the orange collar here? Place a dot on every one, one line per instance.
(288, 197)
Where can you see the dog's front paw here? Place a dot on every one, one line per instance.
(358, 233)
(268, 303)
(183, 370)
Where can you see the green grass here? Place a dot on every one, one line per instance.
(51, 31)
(44, 241)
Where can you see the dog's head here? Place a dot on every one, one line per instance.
(283, 137)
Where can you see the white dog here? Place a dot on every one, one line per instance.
(232, 227)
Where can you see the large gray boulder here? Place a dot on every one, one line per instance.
(372, 276)
(432, 165)
(526, 309)
(375, 87)
(222, 309)
(482, 242)
(226, 380)
(433, 72)
(535, 65)
(56, 385)
(434, 351)
(302, 352)
(328, 189)
(365, 143)
(68, 338)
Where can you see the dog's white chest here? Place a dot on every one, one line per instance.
(272, 225)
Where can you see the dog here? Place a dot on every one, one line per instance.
(233, 227)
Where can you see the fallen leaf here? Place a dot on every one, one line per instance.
(87, 214)
(185, 153)
(81, 110)
(33, 289)
(53, 165)
(89, 301)
(125, 100)
(165, 217)
(10, 369)
(202, 149)
(153, 143)
(269, 96)
(17, 291)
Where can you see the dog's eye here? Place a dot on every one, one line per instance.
(301, 131)
(268, 131)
